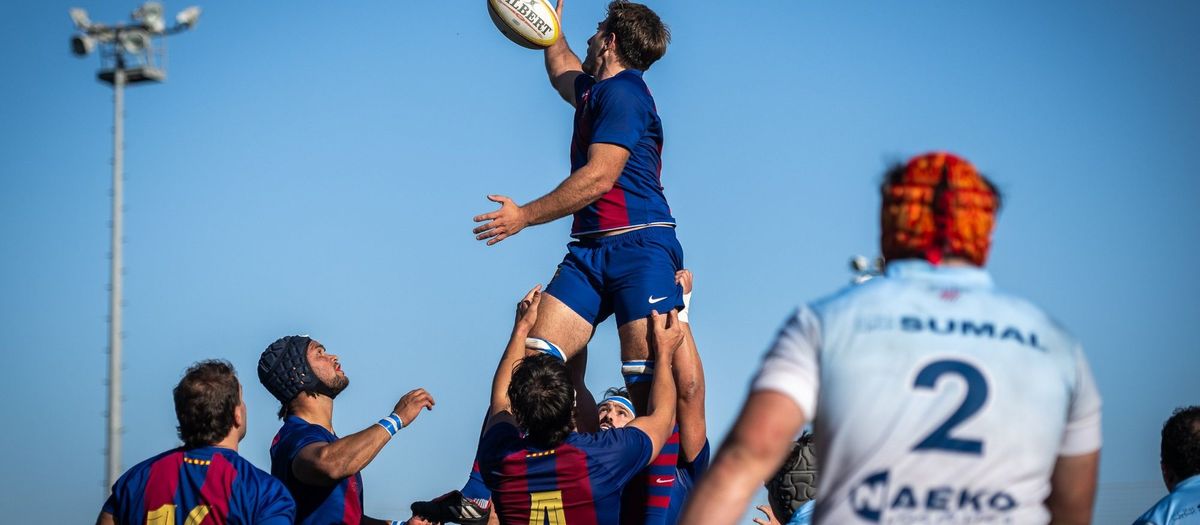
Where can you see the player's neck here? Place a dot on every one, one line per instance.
(609, 70)
(317, 410)
(231, 440)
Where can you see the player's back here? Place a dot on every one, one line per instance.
(940, 398)
(199, 485)
(579, 481)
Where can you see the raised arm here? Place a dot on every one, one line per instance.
(751, 453)
(515, 351)
(583, 187)
(562, 65)
(667, 335)
(329, 463)
(689, 381)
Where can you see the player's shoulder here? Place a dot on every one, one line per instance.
(142, 468)
(627, 84)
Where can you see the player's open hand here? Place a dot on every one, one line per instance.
(666, 333)
(409, 406)
(770, 519)
(527, 309)
(502, 223)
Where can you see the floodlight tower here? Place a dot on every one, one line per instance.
(128, 55)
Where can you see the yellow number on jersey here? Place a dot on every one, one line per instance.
(165, 515)
(546, 508)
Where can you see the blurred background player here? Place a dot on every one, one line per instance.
(205, 480)
(537, 468)
(625, 255)
(793, 488)
(1180, 462)
(935, 397)
(321, 470)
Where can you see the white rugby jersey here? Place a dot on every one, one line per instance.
(935, 398)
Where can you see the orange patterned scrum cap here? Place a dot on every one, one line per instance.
(938, 207)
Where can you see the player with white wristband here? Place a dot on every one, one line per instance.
(320, 469)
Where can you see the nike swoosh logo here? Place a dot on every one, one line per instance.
(653, 300)
(663, 481)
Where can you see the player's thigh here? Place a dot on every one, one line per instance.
(635, 342)
(562, 326)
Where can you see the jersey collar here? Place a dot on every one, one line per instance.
(961, 276)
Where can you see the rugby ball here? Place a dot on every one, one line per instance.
(528, 23)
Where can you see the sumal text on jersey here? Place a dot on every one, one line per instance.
(951, 327)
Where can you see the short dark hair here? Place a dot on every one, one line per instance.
(642, 37)
(617, 391)
(543, 399)
(205, 402)
(1181, 443)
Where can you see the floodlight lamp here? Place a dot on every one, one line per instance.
(150, 14)
(187, 18)
(82, 44)
(80, 17)
(134, 40)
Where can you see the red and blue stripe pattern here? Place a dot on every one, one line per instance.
(204, 486)
(620, 111)
(578, 482)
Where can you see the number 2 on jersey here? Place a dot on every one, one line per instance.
(977, 393)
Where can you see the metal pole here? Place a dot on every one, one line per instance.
(114, 302)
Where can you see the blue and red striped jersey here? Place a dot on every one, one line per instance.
(206, 485)
(340, 503)
(657, 494)
(578, 482)
(620, 111)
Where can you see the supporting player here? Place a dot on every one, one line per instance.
(321, 470)
(536, 467)
(205, 480)
(1180, 463)
(936, 398)
(625, 255)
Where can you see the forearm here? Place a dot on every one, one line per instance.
(583, 187)
(725, 492)
(661, 405)
(689, 412)
(514, 352)
(350, 454)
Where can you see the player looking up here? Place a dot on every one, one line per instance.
(625, 253)
(1180, 463)
(536, 467)
(205, 480)
(936, 398)
(321, 470)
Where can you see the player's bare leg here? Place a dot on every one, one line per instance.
(561, 326)
(635, 346)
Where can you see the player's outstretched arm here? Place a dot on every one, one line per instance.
(562, 65)
(329, 463)
(689, 381)
(667, 336)
(526, 317)
(583, 187)
(105, 519)
(752, 452)
(1073, 489)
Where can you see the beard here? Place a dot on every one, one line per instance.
(336, 385)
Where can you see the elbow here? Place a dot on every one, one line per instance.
(332, 469)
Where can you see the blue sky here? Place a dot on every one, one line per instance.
(313, 167)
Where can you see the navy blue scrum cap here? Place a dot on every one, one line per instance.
(284, 370)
